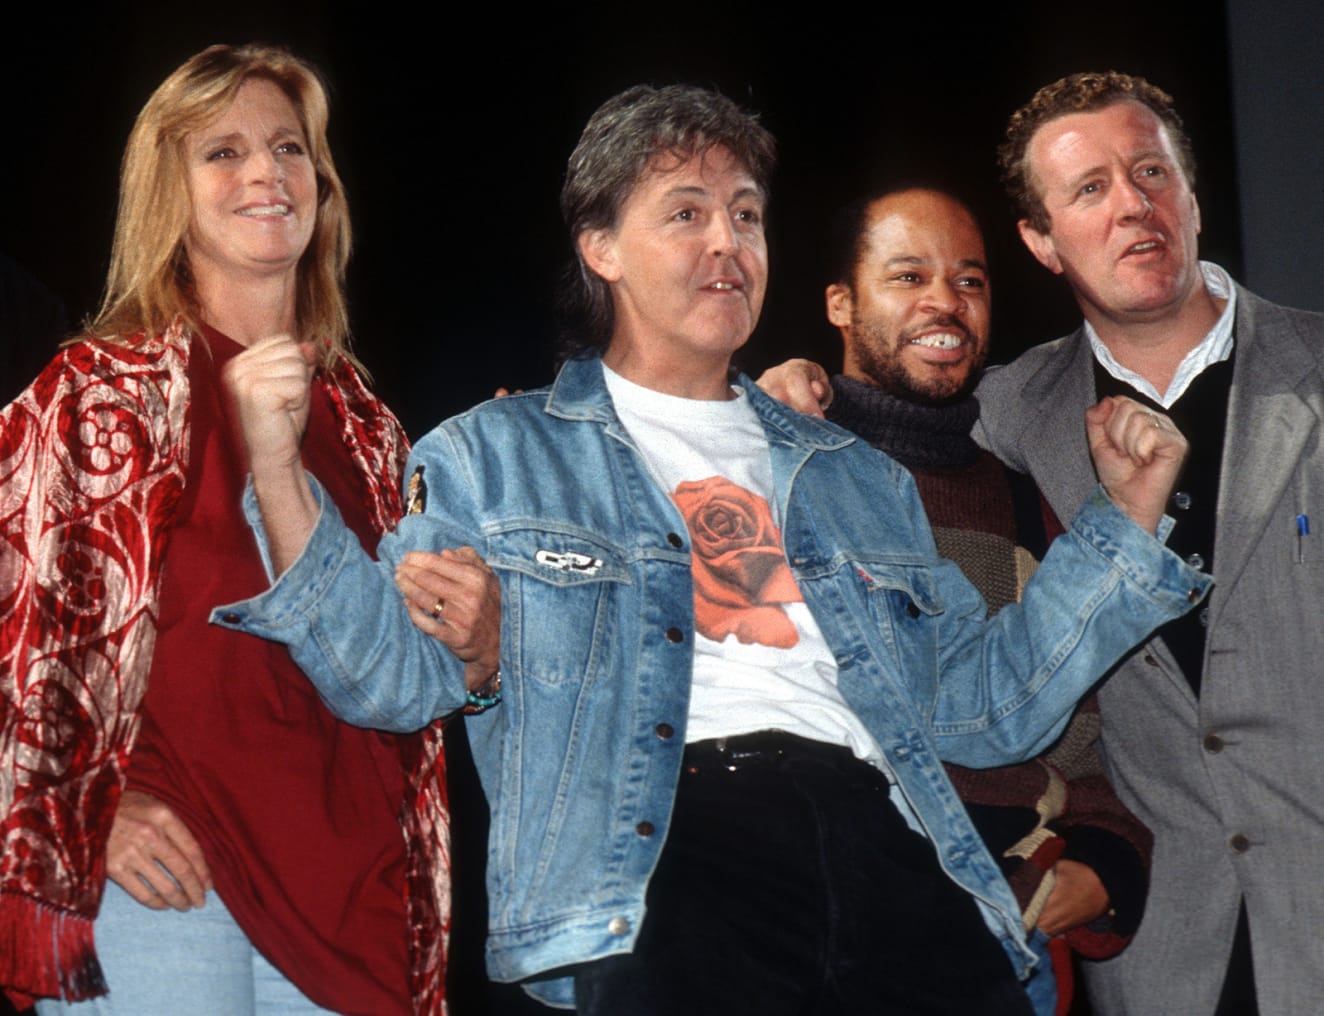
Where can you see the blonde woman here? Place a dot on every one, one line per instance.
(261, 855)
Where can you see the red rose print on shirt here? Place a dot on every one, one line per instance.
(740, 569)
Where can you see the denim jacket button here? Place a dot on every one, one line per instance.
(675, 635)
(912, 611)
(618, 926)
(231, 618)
(664, 730)
(675, 540)
(644, 829)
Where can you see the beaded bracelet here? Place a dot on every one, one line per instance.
(485, 697)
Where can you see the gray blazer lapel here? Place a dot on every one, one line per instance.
(1268, 423)
(1054, 444)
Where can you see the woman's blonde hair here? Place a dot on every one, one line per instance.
(149, 285)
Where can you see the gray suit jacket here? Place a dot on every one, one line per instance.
(1232, 785)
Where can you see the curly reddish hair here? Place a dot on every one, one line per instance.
(1079, 93)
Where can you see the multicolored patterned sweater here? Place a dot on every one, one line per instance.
(993, 523)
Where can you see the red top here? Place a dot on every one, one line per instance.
(297, 813)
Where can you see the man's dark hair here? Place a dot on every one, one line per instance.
(620, 141)
(1079, 93)
(847, 231)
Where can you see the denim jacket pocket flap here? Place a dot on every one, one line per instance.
(561, 588)
(914, 585)
(557, 554)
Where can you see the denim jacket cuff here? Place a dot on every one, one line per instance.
(1139, 556)
(286, 602)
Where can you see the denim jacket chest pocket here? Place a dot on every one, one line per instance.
(906, 607)
(558, 584)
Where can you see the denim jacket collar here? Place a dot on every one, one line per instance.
(579, 394)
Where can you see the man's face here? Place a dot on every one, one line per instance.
(688, 267)
(1123, 220)
(915, 320)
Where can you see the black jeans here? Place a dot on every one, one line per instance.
(792, 885)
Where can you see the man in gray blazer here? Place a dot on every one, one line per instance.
(1212, 732)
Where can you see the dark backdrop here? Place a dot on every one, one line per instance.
(452, 144)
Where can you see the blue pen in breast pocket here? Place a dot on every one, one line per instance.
(1302, 531)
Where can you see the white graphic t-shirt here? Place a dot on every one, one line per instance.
(760, 661)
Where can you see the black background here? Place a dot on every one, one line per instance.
(452, 141)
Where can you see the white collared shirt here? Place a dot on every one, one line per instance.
(1213, 348)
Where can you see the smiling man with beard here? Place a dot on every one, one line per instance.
(910, 294)
(911, 297)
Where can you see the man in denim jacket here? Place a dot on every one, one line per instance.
(731, 656)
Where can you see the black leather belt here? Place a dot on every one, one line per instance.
(764, 749)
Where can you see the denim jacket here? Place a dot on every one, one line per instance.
(581, 760)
